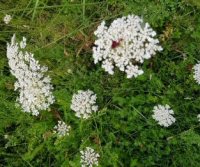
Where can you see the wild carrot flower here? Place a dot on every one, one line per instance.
(7, 18)
(163, 114)
(197, 72)
(125, 44)
(62, 129)
(34, 87)
(89, 157)
(84, 103)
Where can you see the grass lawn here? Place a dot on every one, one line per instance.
(60, 33)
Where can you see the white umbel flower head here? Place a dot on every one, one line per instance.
(89, 157)
(163, 114)
(7, 18)
(197, 73)
(125, 44)
(34, 87)
(62, 129)
(84, 103)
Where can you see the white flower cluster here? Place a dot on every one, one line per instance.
(163, 114)
(62, 129)
(197, 72)
(126, 43)
(35, 88)
(89, 157)
(83, 103)
(7, 18)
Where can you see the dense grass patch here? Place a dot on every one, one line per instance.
(60, 34)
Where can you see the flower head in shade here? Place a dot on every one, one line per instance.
(89, 157)
(164, 115)
(62, 129)
(84, 103)
(34, 87)
(198, 117)
(197, 72)
(7, 18)
(125, 44)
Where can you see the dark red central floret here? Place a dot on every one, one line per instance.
(116, 43)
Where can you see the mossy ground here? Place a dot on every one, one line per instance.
(60, 34)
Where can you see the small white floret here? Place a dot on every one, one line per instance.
(23, 43)
(62, 129)
(7, 18)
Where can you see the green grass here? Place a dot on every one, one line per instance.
(60, 34)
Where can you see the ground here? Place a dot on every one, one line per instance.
(123, 132)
